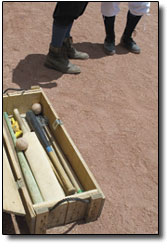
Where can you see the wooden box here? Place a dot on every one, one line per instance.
(16, 198)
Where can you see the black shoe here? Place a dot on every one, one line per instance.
(109, 42)
(109, 48)
(126, 40)
(130, 44)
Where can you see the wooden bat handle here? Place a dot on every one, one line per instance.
(67, 184)
(65, 163)
(7, 140)
(20, 121)
(55, 172)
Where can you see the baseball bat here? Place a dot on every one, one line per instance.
(64, 162)
(29, 178)
(13, 159)
(70, 172)
(40, 166)
(26, 125)
(34, 123)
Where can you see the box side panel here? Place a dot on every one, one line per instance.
(58, 215)
(75, 210)
(41, 221)
(22, 102)
(30, 214)
(95, 207)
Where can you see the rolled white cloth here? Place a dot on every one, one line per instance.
(136, 8)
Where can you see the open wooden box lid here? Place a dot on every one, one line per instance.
(12, 202)
(11, 198)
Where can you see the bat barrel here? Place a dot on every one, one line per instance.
(36, 126)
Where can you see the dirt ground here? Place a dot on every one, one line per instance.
(110, 110)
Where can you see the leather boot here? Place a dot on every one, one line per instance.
(72, 53)
(109, 42)
(126, 39)
(58, 60)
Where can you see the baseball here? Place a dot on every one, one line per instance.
(36, 108)
(21, 144)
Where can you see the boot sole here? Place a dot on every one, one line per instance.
(130, 50)
(50, 66)
(109, 53)
(78, 58)
(75, 58)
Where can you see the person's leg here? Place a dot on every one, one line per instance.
(109, 42)
(59, 33)
(139, 8)
(136, 10)
(126, 39)
(110, 8)
(109, 11)
(68, 30)
(72, 53)
(57, 57)
(64, 15)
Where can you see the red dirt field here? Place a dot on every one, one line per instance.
(110, 110)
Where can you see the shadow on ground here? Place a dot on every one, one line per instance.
(31, 71)
(96, 51)
(20, 223)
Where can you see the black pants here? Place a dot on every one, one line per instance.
(66, 12)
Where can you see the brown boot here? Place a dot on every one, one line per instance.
(58, 60)
(72, 53)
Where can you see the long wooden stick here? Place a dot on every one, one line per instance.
(70, 172)
(12, 155)
(28, 176)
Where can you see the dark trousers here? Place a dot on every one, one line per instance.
(66, 12)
